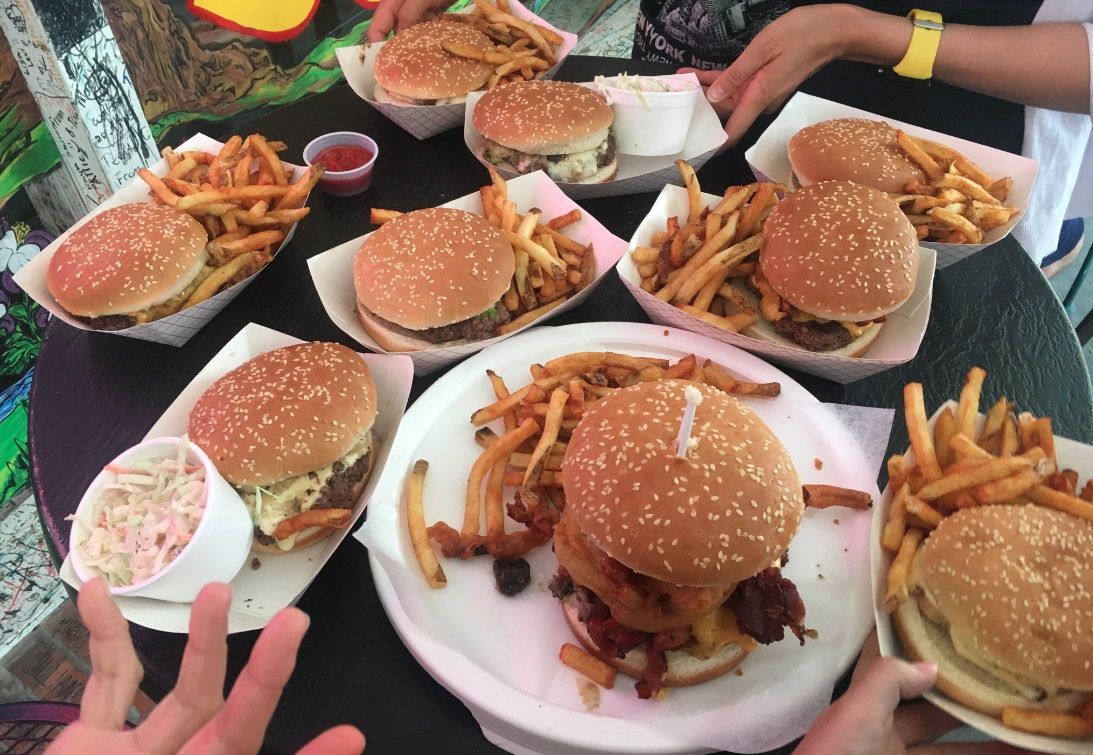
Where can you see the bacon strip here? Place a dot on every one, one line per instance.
(767, 603)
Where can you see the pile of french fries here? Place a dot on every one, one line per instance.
(244, 197)
(1010, 460)
(959, 201)
(689, 266)
(524, 50)
(550, 266)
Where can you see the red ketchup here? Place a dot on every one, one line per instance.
(349, 158)
(343, 157)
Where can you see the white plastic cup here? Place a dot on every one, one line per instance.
(659, 129)
(218, 549)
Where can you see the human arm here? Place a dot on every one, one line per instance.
(404, 13)
(1051, 71)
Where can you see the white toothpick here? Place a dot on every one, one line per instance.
(683, 440)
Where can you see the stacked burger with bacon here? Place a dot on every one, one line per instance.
(669, 567)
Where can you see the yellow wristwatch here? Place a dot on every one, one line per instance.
(918, 63)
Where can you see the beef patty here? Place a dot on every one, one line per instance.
(108, 322)
(814, 336)
(477, 328)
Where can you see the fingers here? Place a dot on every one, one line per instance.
(704, 77)
(733, 78)
(888, 680)
(240, 725)
(753, 101)
(199, 693)
(923, 722)
(870, 653)
(115, 670)
(383, 20)
(411, 12)
(341, 740)
(968, 748)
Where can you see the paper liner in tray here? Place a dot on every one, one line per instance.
(424, 121)
(769, 160)
(637, 174)
(1071, 455)
(897, 343)
(257, 594)
(332, 271)
(499, 655)
(176, 329)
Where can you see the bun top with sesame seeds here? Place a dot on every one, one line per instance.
(434, 267)
(543, 117)
(127, 259)
(721, 515)
(413, 64)
(285, 413)
(852, 149)
(1015, 584)
(840, 251)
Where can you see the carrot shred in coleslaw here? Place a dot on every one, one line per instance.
(143, 518)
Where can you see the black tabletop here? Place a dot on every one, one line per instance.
(96, 394)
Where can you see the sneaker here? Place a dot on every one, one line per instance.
(1071, 238)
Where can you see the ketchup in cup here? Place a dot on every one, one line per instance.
(349, 158)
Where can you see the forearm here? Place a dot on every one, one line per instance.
(1044, 65)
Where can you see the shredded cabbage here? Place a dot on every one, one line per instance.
(143, 518)
(636, 84)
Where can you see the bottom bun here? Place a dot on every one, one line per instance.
(312, 535)
(603, 175)
(962, 680)
(684, 670)
(390, 340)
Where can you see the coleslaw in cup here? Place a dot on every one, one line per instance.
(652, 113)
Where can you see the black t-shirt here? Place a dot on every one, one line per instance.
(711, 34)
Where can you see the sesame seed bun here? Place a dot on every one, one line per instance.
(285, 413)
(413, 64)
(127, 259)
(852, 149)
(684, 670)
(718, 517)
(544, 117)
(431, 268)
(840, 251)
(1015, 586)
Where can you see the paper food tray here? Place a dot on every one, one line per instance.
(500, 655)
(769, 160)
(1071, 455)
(424, 121)
(176, 329)
(332, 271)
(897, 343)
(636, 175)
(257, 594)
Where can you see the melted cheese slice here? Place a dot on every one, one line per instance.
(854, 329)
(174, 304)
(716, 630)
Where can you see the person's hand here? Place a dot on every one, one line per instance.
(194, 719)
(405, 13)
(782, 55)
(868, 720)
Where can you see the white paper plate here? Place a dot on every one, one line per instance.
(423, 121)
(499, 655)
(897, 343)
(176, 329)
(1071, 455)
(769, 160)
(332, 271)
(636, 175)
(257, 594)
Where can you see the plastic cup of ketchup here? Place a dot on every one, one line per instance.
(349, 158)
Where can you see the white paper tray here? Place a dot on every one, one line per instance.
(636, 175)
(332, 271)
(769, 160)
(500, 655)
(424, 121)
(897, 343)
(257, 594)
(176, 329)
(1071, 455)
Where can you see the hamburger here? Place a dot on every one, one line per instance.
(560, 128)
(837, 258)
(129, 265)
(1002, 602)
(433, 278)
(852, 149)
(413, 69)
(291, 430)
(669, 567)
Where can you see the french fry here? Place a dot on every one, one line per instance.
(530, 317)
(990, 436)
(252, 243)
(921, 441)
(259, 144)
(336, 518)
(1000, 189)
(1036, 433)
(218, 279)
(735, 197)
(1055, 499)
(944, 429)
(826, 496)
(1007, 488)
(235, 193)
(379, 217)
(968, 408)
(539, 254)
(918, 155)
(690, 284)
(965, 186)
(973, 171)
(558, 400)
(297, 193)
(749, 223)
(504, 446)
(723, 381)
(493, 57)
(415, 522)
(529, 222)
(182, 168)
(733, 324)
(158, 187)
(1046, 722)
(897, 471)
(571, 217)
(528, 30)
(694, 192)
(898, 590)
(989, 470)
(928, 517)
(589, 665)
(896, 525)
